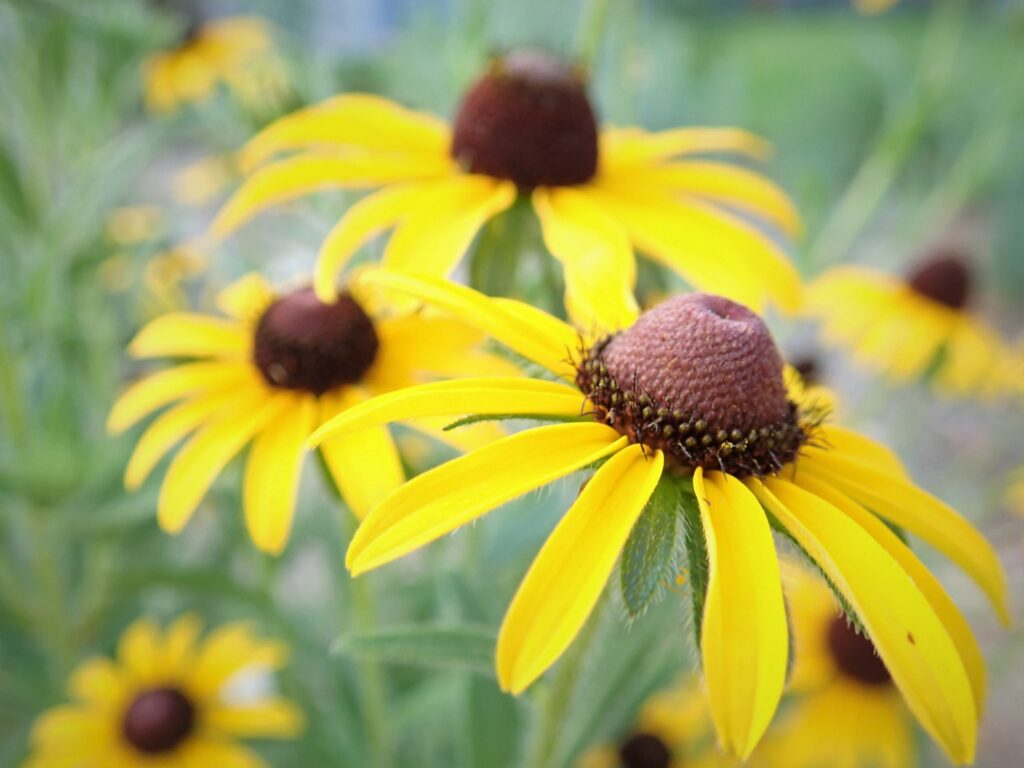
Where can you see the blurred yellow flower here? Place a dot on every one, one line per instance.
(694, 390)
(233, 51)
(871, 7)
(202, 181)
(845, 710)
(134, 224)
(527, 128)
(269, 374)
(906, 328)
(168, 699)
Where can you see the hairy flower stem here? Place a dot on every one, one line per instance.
(556, 702)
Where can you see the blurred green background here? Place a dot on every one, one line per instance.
(892, 133)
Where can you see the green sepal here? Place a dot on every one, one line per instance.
(649, 562)
(463, 647)
(696, 559)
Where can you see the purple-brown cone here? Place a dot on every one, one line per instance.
(855, 654)
(158, 720)
(944, 279)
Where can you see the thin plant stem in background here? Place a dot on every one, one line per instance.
(590, 32)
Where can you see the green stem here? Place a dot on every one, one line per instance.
(371, 677)
(10, 400)
(896, 141)
(555, 706)
(591, 32)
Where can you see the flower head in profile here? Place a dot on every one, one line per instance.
(267, 375)
(845, 709)
(169, 698)
(237, 52)
(692, 393)
(918, 325)
(672, 730)
(527, 128)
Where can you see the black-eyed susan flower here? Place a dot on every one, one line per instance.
(527, 127)
(844, 708)
(692, 392)
(170, 698)
(908, 327)
(266, 376)
(237, 52)
(673, 730)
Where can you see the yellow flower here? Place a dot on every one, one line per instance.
(201, 181)
(168, 699)
(906, 328)
(230, 51)
(845, 709)
(527, 128)
(673, 730)
(133, 224)
(693, 390)
(268, 375)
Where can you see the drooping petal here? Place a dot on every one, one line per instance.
(271, 481)
(434, 235)
(566, 579)
(744, 637)
(314, 171)
(532, 333)
(862, 447)
(595, 254)
(362, 460)
(898, 500)
(457, 397)
(246, 298)
(185, 334)
(931, 588)
(158, 389)
(455, 493)
(634, 146)
(907, 633)
(199, 462)
(354, 120)
(371, 215)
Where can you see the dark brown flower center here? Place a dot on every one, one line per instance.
(700, 378)
(529, 120)
(855, 654)
(644, 750)
(809, 368)
(944, 279)
(302, 343)
(158, 720)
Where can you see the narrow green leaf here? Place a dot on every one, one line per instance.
(696, 557)
(447, 647)
(648, 561)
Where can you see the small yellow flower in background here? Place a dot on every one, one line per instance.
(203, 180)
(871, 7)
(231, 51)
(170, 698)
(164, 274)
(907, 327)
(673, 730)
(135, 224)
(1015, 492)
(270, 373)
(845, 710)
(694, 389)
(527, 128)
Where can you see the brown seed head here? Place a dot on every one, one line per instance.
(158, 720)
(644, 750)
(943, 278)
(855, 654)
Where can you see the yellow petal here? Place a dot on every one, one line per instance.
(184, 334)
(371, 215)
(353, 120)
(99, 683)
(138, 651)
(731, 185)
(66, 731)
(171, 427)
(272, 717)
(272, 474)
(596, 255)
(908, 635)
(711, 249)
(533, 334)
(229, 650)
(744, 638)
(865, 449)
(314, 171)
(931, 588)
(180, 645)
(199, 462)
(567, 577)
(362, 460)
(634, 146)
(146, 395)
(898, 500)
(246, 298)
(205, 751)
(435, 234)
(457, 397)
(447, 497)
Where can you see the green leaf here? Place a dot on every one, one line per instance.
(479, 417)
(648, 561)
(696, 557)
(446, 647)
